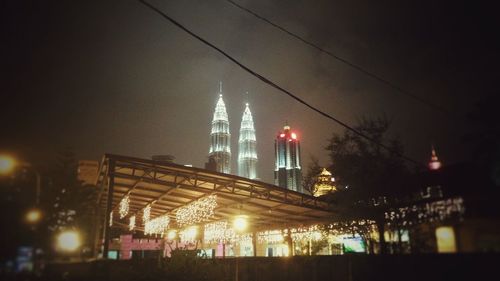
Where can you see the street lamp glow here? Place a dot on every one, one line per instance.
(7, 164)
(68, 241)
(33, 216)
(240, 223)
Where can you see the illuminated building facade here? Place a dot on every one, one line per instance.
(288, 171)
(220, 138)
(325, 184)
(247, 150)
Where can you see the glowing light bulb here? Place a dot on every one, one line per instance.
(240, 223)
(171, 235)
(68, 241)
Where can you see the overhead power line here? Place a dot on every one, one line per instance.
(274, 85)
(345, 61)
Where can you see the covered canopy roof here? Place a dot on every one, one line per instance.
(166, 187)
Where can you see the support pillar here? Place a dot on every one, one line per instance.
(289, 243)
(381, 238)
(97, 231)
(254, 243)
(109, 202)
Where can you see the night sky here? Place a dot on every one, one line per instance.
(113, 76)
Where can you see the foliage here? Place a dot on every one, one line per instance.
(317, 246)
(309, 179)
(69, 203)
(186, 265)
(362, 168)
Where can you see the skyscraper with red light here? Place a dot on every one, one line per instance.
(220, 138)
(288, 171)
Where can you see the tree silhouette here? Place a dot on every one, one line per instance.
(362, 169)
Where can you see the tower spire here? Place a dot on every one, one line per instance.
(220, 138)
(247, 146)
(434, 164)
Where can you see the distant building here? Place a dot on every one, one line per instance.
(325, 184)
(288, 170)
(247, 149)
(87, 171)
(220, 138)
(434, 164)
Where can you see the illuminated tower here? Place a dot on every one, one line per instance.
(288, 171)
(220, 138)
(434, 164)
(247, 150)
(325, 184)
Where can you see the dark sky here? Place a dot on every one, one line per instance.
(113, 76)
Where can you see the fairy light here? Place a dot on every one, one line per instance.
(124, 206)
(349, 227)
(188, 235)
(271, 236)
(220, 232)
(435, 211)
(146, 213)
(313, 232)
(215, 232)
(131, 224)
(198, 211)
(157, 225)
(242, 238)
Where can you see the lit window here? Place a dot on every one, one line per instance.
(445, 238)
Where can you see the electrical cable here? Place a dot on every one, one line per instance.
(345, 61)
(274, 85)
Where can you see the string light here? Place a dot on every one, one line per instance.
(271, 236)
(188, 235)
(218, 232)
(124, 206)
(312, 232)
(157, 225)
(242, 238)
(146, 213)
(430, 212)
(215, 232)
(131, 224)
(198, 211)
(362, 227)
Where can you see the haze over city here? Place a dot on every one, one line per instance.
(249, 140)
(115, 77)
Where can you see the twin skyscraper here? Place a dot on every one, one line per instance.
(219, 157)
(288, 171)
